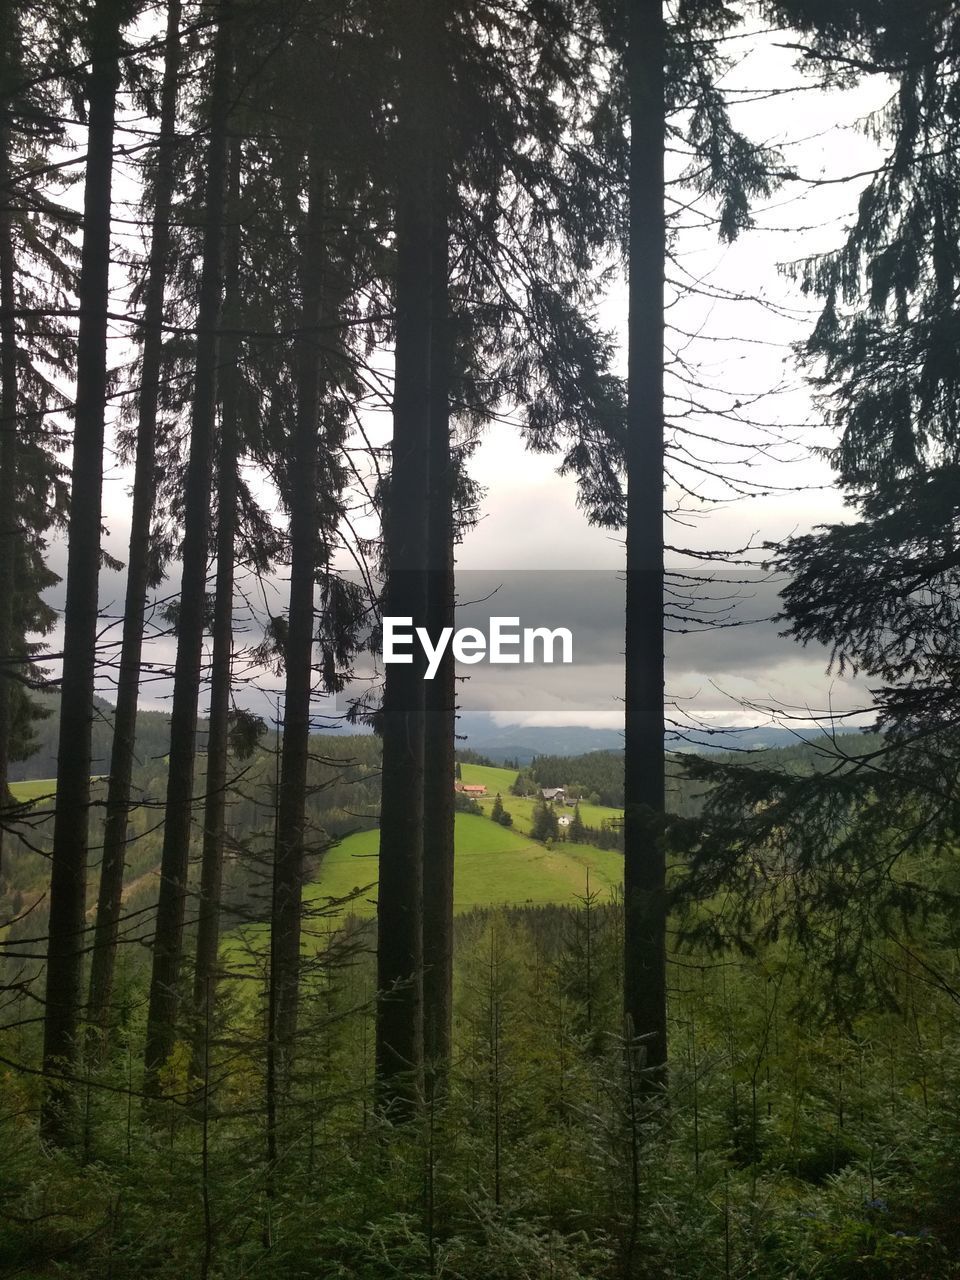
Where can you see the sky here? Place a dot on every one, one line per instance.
(734, 318)
(737, 675)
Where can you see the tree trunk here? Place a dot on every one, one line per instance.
(440, 693)
(399, 1015)
(138, 561)
(645, 996)
(298, 659)
(9, 398)
(178, 815)
(68, 877)
(221, 676)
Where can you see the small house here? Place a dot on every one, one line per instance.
(554, 795)
(470, 789)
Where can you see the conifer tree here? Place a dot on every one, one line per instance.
(546, 825)
(399, 1024)
(36, 349)
(179, 809)
(129, 671)
(661, 63)
(440, 695)
(576, 831)
(68, 880)
(304, 476)
(645, 995)
(9, 397)
(221, 662)
(879, 591)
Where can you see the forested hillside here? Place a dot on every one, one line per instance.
(152, 742)
(600, 773)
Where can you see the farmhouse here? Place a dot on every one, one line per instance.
(470, 789)
(555, 794)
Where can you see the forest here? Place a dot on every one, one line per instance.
(309, 307)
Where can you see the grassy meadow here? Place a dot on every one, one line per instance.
(495, 867)
(33, 789)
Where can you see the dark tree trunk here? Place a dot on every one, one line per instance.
(221, 665)
(9, 397)
(645, 996)
(440, 693)
(68, 877)
(292, 796)
(138, 561)
(399, 1016)
(178, 816)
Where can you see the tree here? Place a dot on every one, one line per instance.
(304, 457)
(496, 813)
(68, 878)
(880, 590)
(661, 64)
(576, 830)
(9, 396)
(129, 672)
(221, 662)
(440, 696)
(644, 899)
(37, 350)
(545, 824)
(399, 1023)
(178, 812)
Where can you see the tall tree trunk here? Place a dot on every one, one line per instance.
(440, 693)
(138, 561)
(399, 1015)
(9, 397)
(645, 996)
(178, 814)
(68, 878)
(221, 666)
(292, 794)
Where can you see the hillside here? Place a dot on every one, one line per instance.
(494, 867)
(153, 737)
(521, 807)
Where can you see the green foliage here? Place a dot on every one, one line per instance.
(499, 814)
(546, 825)
(464, 803)
(522, 785)
(794, 1147)
(597, 772)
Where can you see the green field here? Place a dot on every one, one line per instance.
(494, 867)
(521, 807)
(33, 789)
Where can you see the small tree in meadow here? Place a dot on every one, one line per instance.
(499, 814)
(576, 830)
(545, 823)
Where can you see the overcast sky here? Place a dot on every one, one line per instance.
(744, 353)
(739, 353)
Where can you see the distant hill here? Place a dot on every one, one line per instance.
(476, 731)
(153, 739)
(523, 742)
